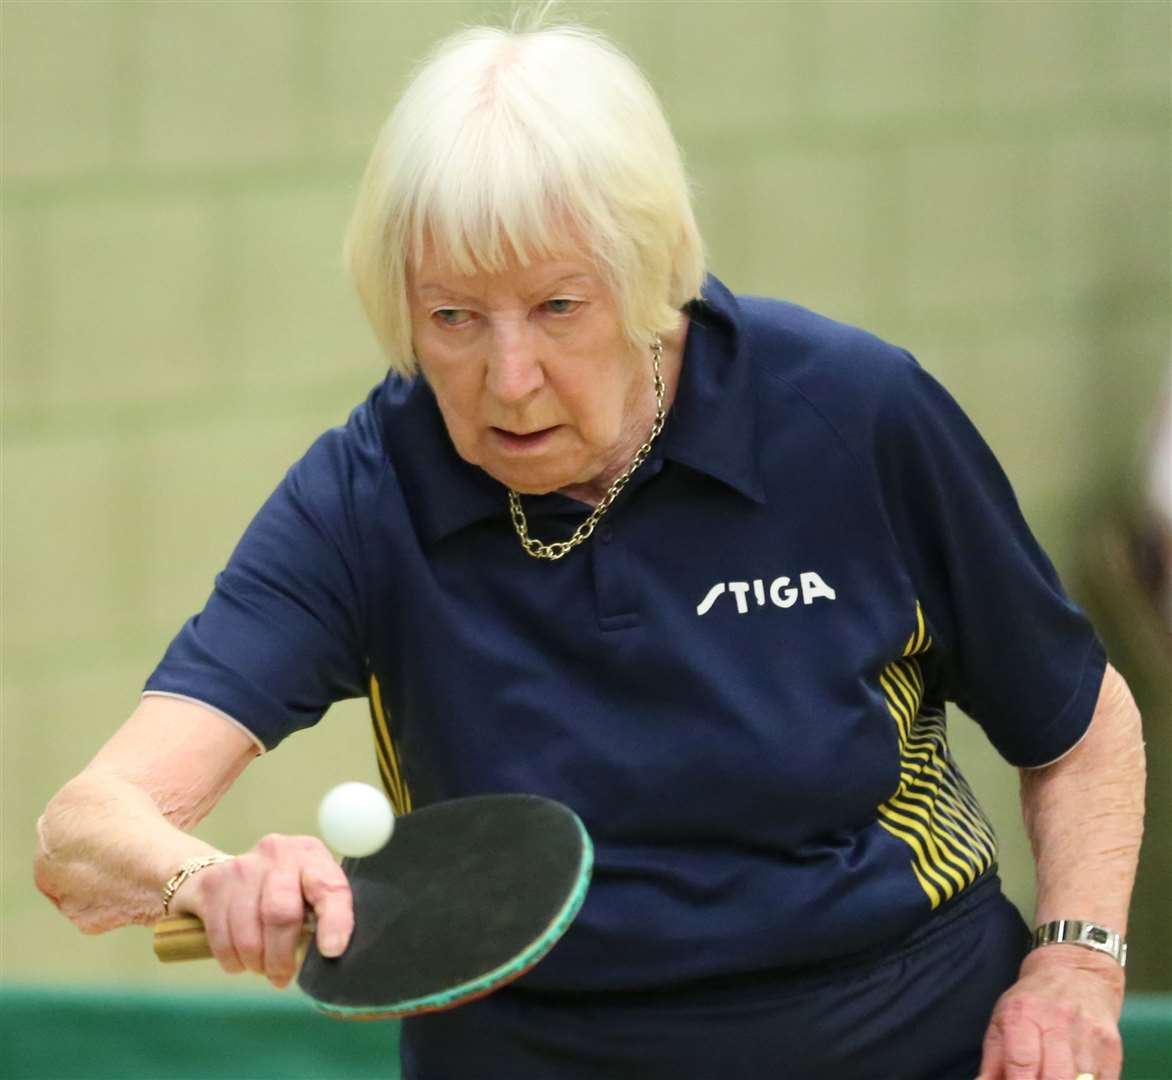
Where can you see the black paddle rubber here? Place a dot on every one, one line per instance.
(467, 896)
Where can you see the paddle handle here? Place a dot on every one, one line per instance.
(182, 937)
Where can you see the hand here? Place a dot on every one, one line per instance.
(253, 907)
(1059, 1020)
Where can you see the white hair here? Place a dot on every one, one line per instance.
(526, 144)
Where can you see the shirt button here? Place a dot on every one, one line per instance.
(605, 534)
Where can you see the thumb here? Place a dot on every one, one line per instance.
(992, 1053)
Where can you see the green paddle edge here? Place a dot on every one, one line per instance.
(485, 984)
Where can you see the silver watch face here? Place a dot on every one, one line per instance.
(1087, 935)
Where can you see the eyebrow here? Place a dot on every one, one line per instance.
(440, 287)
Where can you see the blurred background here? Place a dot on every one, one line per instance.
(986, 184)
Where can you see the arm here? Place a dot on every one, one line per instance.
(111, 836)
(1084, 816)
(114, 834)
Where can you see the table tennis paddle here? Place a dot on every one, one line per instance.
(466, 896)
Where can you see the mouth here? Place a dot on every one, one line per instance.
(521, 442)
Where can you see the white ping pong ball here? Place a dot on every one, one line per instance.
(355, 819)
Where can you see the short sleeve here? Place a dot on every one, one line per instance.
(281, 637)
(1018, 655)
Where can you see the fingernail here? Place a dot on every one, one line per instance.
(332, 945)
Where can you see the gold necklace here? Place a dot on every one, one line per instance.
(559, 548)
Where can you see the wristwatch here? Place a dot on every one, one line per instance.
(1087, 934)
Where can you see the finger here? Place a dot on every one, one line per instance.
(281, 912)
(326, 887)
(1058, 1044)
(214, 916)
(1023, 1042)
(992, 1052)
(220, 941)
(245, 928)
(1086, 1056)
(1105, 1058)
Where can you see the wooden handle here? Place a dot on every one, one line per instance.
(183, 937)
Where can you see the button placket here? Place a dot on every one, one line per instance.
(616, 597)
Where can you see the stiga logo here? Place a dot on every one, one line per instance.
(778, 592)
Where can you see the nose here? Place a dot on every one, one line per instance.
(514, 368)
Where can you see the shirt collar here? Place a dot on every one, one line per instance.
(711, 428)
(444, 493)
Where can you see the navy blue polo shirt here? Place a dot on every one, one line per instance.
(738, 683)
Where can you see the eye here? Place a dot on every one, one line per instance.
(452, 316)
(562, 306)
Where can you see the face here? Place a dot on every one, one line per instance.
(535, 380)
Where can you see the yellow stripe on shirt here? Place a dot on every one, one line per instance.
(933, 810)
(388, 758)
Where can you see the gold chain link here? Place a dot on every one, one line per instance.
(559, 548)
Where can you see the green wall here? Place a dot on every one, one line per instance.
(985, 183)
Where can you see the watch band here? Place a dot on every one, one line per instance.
(1087, 934)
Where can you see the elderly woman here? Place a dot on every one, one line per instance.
(705, 568)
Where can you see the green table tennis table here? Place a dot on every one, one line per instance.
(117, 1034)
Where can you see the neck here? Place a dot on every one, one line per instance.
(594, 490)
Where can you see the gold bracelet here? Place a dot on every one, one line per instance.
(190, 868)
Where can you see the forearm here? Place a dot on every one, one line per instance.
(104, 849)
(1084, 817)
(110, 839)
